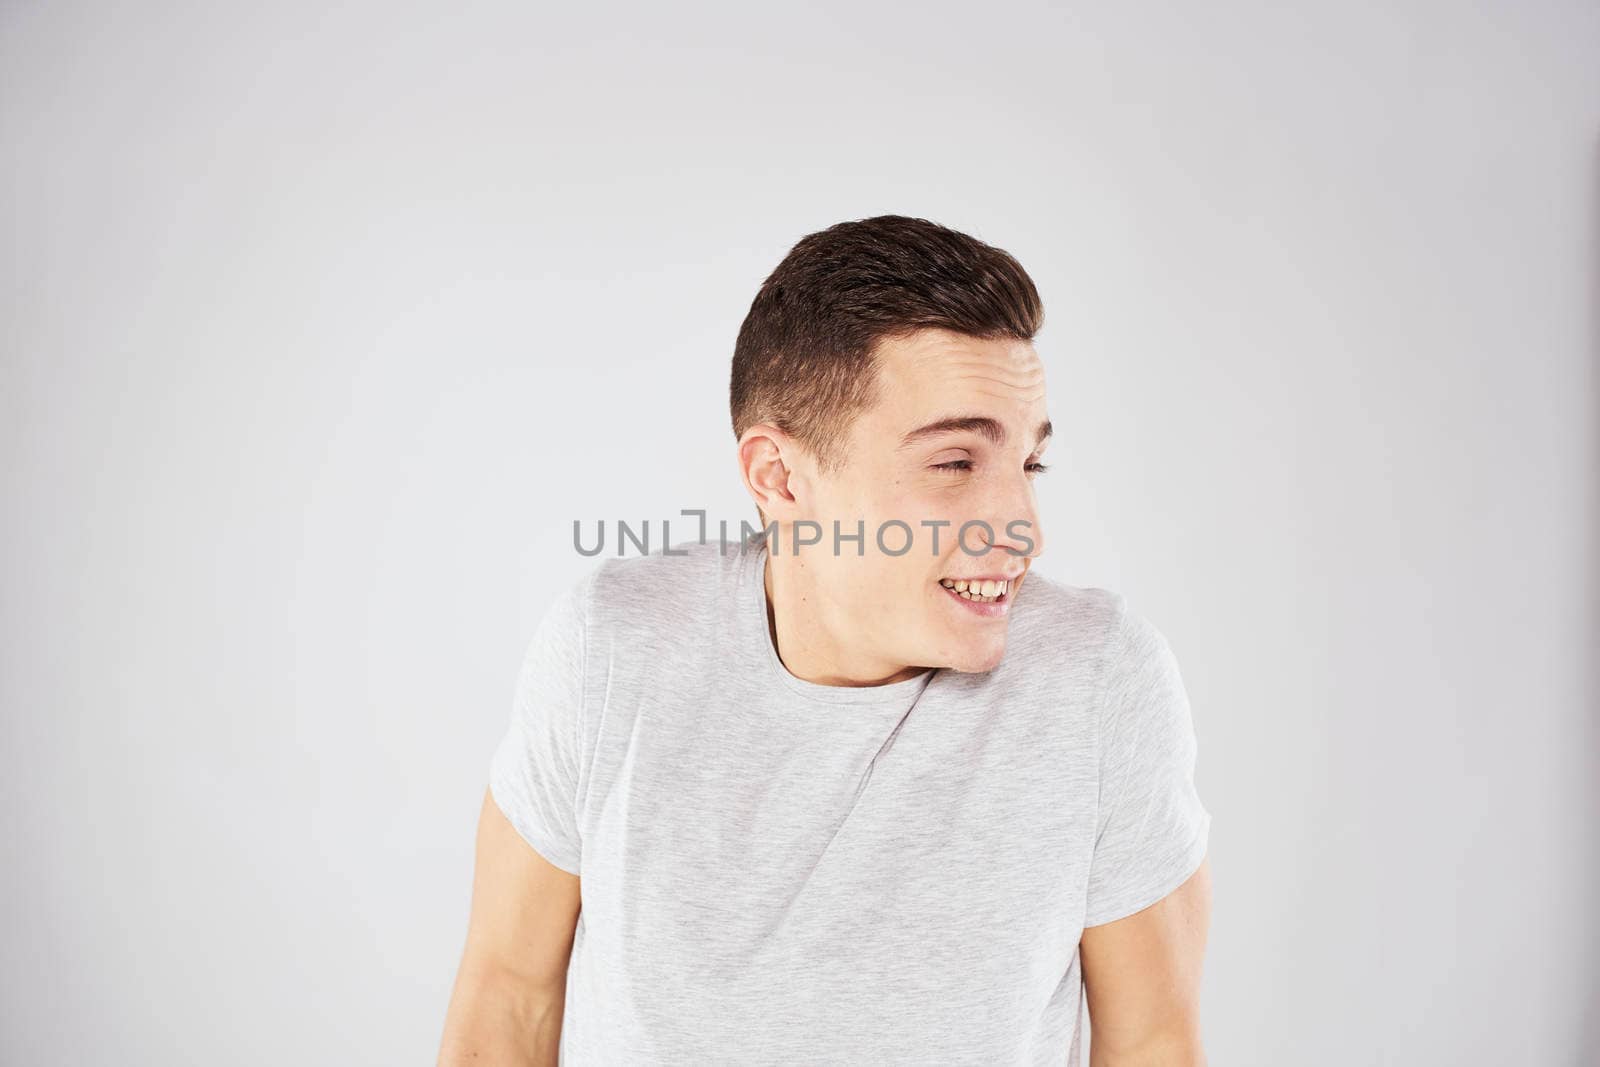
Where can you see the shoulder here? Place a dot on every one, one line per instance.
(1142, 697)
(663, 591)
(1056, 611)
(1053, 618)
(1092, 629)
(1139, 659)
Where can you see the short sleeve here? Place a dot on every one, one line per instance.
(1152, 828)
(534, 775)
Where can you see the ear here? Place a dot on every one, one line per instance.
(766, 465)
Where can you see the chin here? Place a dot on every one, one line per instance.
(977, 660)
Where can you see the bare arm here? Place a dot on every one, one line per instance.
(1142, 980)
(511, 987)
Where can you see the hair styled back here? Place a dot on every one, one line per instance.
(805, 357)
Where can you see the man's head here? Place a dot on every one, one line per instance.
(885, 379)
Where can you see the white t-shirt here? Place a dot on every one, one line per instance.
(780, 872)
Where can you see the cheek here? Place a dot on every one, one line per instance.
(926, 509)
(889, 500)
(894, 591)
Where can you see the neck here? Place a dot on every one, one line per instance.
(805, 645)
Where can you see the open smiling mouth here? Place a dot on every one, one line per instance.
(980, 591)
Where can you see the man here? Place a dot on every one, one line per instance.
(863, 789)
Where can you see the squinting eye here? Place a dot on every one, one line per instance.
(966, 464)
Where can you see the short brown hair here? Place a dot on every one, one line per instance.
(805, 357)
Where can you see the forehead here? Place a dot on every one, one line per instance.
(934, 369)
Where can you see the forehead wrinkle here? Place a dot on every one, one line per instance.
(977, 369)
(1031, 387)
(1018, 355)
(1003, 394)
(1027, 363)
(1008, 381)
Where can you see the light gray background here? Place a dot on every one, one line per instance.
(320, 327)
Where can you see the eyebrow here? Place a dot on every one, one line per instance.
(992, 429)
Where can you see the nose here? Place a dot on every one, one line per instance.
(1014, 520)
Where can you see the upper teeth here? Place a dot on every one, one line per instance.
(984, 588)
